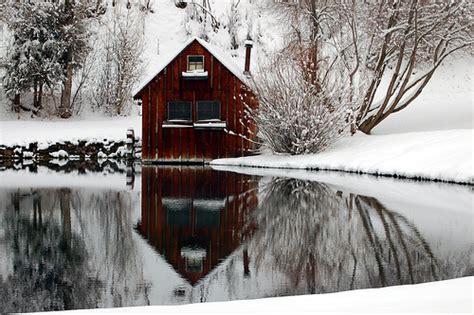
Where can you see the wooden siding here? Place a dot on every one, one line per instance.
(190, 144)
(238, 194)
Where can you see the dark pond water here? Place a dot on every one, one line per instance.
(171, 235)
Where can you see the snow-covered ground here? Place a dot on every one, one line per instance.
(444, 155)
(452, 296)
(21, 132)
(446, 102)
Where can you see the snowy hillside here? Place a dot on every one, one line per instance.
(168, 28)
(446, 103)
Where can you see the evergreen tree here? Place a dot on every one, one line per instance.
(50, 42)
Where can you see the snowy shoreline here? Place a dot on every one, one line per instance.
(450, 296)
(444, 156)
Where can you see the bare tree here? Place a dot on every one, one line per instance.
(119, 60)
(400, 41)
(409, 41)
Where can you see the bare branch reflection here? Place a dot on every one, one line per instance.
(326, 241)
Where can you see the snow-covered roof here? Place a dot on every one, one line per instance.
(218, 53)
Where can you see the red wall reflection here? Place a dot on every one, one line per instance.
(195, 216)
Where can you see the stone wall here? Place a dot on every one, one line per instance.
(67, 150)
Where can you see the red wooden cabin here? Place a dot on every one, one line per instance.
(194, 107)
(196, 217)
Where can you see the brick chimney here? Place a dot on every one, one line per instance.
(248, 55)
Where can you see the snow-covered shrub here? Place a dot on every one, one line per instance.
(297, 116)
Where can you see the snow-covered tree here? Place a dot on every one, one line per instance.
(409, 40)
(390, 49)
(33, 61)
(233, 24)
(118, 60)
(75, 35)
(297, 115)
(49, 43)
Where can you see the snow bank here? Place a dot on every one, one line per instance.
(22, 132)
(454, 296)
(436, 155)
(446, 102)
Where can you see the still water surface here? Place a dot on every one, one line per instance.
(177, 235)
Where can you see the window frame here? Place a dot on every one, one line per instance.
(189, 63)
(212, 119)
(181, 121)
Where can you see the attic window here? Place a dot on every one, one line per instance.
(195, 63)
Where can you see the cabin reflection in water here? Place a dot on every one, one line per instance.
(195, 216)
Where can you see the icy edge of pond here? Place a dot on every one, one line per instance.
(434, 155)
(454, 296)
(48, 178)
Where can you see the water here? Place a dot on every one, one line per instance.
(171, 235)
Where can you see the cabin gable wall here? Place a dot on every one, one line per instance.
(188, 144)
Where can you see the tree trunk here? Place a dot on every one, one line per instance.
(366, 126)
(65, 206)
(65, 108)
(17, 103)
(35, 95)
(40, 96)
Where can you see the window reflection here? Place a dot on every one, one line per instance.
(195, 216)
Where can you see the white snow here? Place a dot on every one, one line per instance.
(171, 126)
(446, 102)
(444, 155)
(22, 132)
(211, 124)
(59, 154)
(195, 74)
(453, 296)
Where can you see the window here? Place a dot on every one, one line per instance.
(195, 63)
(208, 110)
(178, 211)
(194, 264)
(180, 111)
(208, 212)
(194, 256)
